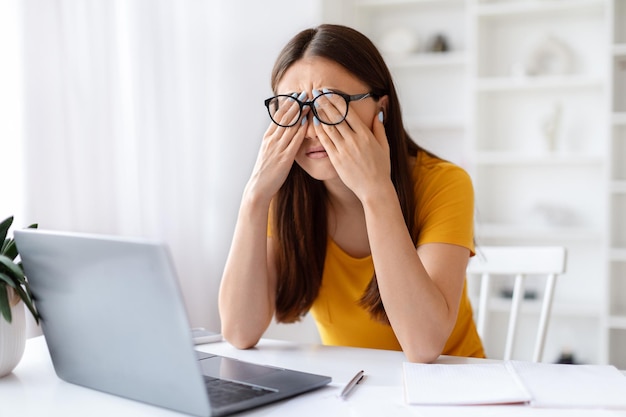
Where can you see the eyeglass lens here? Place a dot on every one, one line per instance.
(329, 108)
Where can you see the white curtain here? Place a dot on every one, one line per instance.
(144, 117)
(11, 98)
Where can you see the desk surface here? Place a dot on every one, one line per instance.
(33, 388)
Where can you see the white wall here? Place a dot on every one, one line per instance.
(11, 128)
(10, 113)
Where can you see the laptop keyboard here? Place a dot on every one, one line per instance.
(223, 392)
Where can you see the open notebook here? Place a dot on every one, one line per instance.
(537, 384)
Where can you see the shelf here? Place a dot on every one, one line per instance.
(516, 8)
(512, 158)
(546, 233)
(507, 84)
(618, 254)
(427, 60)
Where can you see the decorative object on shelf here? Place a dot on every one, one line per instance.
(399, 41)
(549, 56)
(439, 43)
(14, 295)
(550, 127)
(552, 214)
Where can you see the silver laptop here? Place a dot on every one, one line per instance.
(114, 320)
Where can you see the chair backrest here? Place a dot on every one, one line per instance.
(520, 262)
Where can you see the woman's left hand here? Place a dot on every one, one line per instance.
(359, 155)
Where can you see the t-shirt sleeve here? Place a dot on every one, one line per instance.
(445, 205)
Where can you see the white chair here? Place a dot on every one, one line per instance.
(519, 261)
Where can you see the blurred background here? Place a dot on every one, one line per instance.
(139, 118)
(144, 118)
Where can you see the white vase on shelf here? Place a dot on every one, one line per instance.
(398, 42)
(551, 126)
(549, 56)
(12, 336)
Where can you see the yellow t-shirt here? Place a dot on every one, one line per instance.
(445, 214)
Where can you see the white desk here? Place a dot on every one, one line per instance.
(34, 389)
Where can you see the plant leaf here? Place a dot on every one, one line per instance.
(27, 298)
(33, 310)
(4, 277)
(4, 227)
(11, 268)
(12, 274)
(26, 286)
(9, 249)
(5, 307)
(22, 292)
(4, 246)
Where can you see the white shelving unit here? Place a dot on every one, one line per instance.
(531, 100)
(539, 139)
(615, 315)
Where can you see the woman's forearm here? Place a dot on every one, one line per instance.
(419, 289)
(247, 292)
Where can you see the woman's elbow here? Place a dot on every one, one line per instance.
(239, 339)
(425, 352)
(421, 356)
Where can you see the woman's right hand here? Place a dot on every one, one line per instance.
(278, 151)
(248, 287)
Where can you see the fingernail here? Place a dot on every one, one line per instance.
(325, 90)
(303, 121)
(302, 96)
(316, 94)
(315, 121)
(294, 95)
(380, 116)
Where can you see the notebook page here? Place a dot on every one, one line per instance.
(573, 386)
(462, 384)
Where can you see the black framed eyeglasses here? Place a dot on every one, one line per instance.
(330, 107)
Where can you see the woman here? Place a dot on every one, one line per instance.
(345, 216)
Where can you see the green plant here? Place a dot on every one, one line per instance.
(12, 274)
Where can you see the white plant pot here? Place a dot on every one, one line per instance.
(12, 338)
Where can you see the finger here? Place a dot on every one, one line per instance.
(378, 128)
(354, 123)
(329, 106)
(284, 139)
(322, 135)
(297, 139)
(326, 107)
(286, 109)
(278, 135)
(271, 129)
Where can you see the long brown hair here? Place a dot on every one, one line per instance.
(300, 206)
